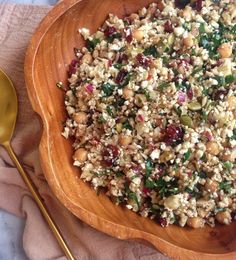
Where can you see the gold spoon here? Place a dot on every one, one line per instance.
(8, 114)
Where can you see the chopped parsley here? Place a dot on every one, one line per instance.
(151, 51)
(108, 89)
(91, 44)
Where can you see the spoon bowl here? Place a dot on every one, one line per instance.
(9, 107)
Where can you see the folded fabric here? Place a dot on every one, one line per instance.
(17, 23)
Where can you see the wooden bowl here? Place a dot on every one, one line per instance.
(49, 52)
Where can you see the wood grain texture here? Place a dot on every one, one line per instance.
(49, 53)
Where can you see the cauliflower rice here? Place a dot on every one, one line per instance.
(152, 109)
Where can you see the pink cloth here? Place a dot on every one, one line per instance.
(17, 23)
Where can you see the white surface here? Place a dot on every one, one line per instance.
(11, 227)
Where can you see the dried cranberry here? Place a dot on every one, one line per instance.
(190, 174)
(74, 63)
(136, 168)
(94, 141)
(186, 61)
(109, 31)
(109, 63)
(173, 134)
(190, 93)
(162, 221)
(168, 27)
(121, 76)
(128, 35)
(189, 196)
(208, 135)
(110, 154)
(219, 62)
(146, 190)
(72, 67)
(122, 57)
(219, 94)
(140, 118)
(142, 60)
(198, 5)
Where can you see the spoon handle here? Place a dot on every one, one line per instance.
(39, 202)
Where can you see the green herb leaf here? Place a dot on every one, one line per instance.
(118, 66)
(226, 186)
(118, 103)
(119, 174)
(92, 44)
(196, 70)
(230, 79)
(114, 36)
(202, 28)
(150, 184)
(110, 110)
(228, 165)
(187, 26)
(101, 120)
(108, 89)
(187, 155)
(221, 80)
(234, 134)
(163, 85)
(127, 125)
(133, 196)
(148, 167)
(151, 51)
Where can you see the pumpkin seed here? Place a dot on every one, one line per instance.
(140, 100)
(204, 101)
(194, 106)
(186, 120)
(119, 127)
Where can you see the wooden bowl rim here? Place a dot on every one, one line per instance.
(86, 216)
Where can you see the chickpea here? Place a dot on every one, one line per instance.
(172, 202)
(187, 13)
(166, 156)
(231, 102)
(211, 185)
(212, 148)
(125, 140)
(128, 93)
(223, 217)
(81, 155)
(225, 50)
(138, 34)
(189, 40)
(134, 17)
(195, 222)
(87, 58)
(80, 117)
(229, 155)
